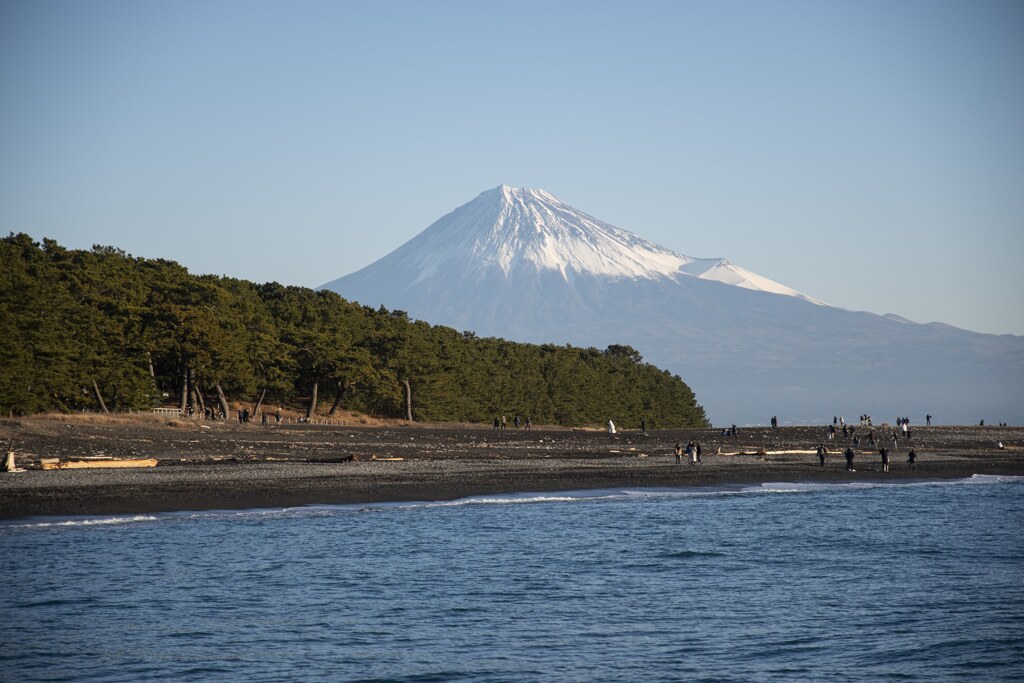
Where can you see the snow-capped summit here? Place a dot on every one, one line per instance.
(508, 229)
(512, 227)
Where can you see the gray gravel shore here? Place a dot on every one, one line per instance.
(230, 466)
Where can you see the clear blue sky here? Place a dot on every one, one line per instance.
(870, 154)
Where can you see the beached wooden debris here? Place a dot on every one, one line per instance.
(8, 464)
(94, 463)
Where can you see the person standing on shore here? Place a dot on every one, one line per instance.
(679, 452)
(822, 452)
(849, 460)
(643, 425)
(912, 459)
(697, 449)
(884, 452)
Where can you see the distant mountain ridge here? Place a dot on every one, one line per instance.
(521, 264)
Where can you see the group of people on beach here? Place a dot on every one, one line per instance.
(883, 452)
(502, 423)
(692, 451)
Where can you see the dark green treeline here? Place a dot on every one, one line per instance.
(102, 330)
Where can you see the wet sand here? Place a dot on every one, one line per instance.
(230, 466)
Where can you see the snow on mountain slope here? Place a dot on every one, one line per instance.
(723, 271)
(506, 229)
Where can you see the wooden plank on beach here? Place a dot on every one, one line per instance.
(48, 464)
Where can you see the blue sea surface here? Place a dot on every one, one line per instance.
(793, 582)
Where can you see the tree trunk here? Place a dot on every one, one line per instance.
(192, 403)
(199, 399)
(312, 401)
(259, 404)
(152, 370)
(222, 399)
(99, 397)
(408, 400)
(183, 395)
(337, 399)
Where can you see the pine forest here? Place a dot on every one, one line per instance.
(101, 330)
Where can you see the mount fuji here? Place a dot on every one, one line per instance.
(519, 263)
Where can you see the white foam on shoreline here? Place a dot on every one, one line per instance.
(532, 498)
(806, 487)
(84, 522)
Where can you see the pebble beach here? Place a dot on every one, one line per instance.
(226, 465)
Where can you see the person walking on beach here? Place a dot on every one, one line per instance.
(822, 452)
(849, 460)
(277, 416)
(528, 423)
(884, 452)
(691, 453)
(928, 420)
(504, 423)
(515, 422)
(497, 422)
(912, 459)
(643, 425)
(679, 452)
(697, 449)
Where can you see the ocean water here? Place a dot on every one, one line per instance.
(832, 582)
